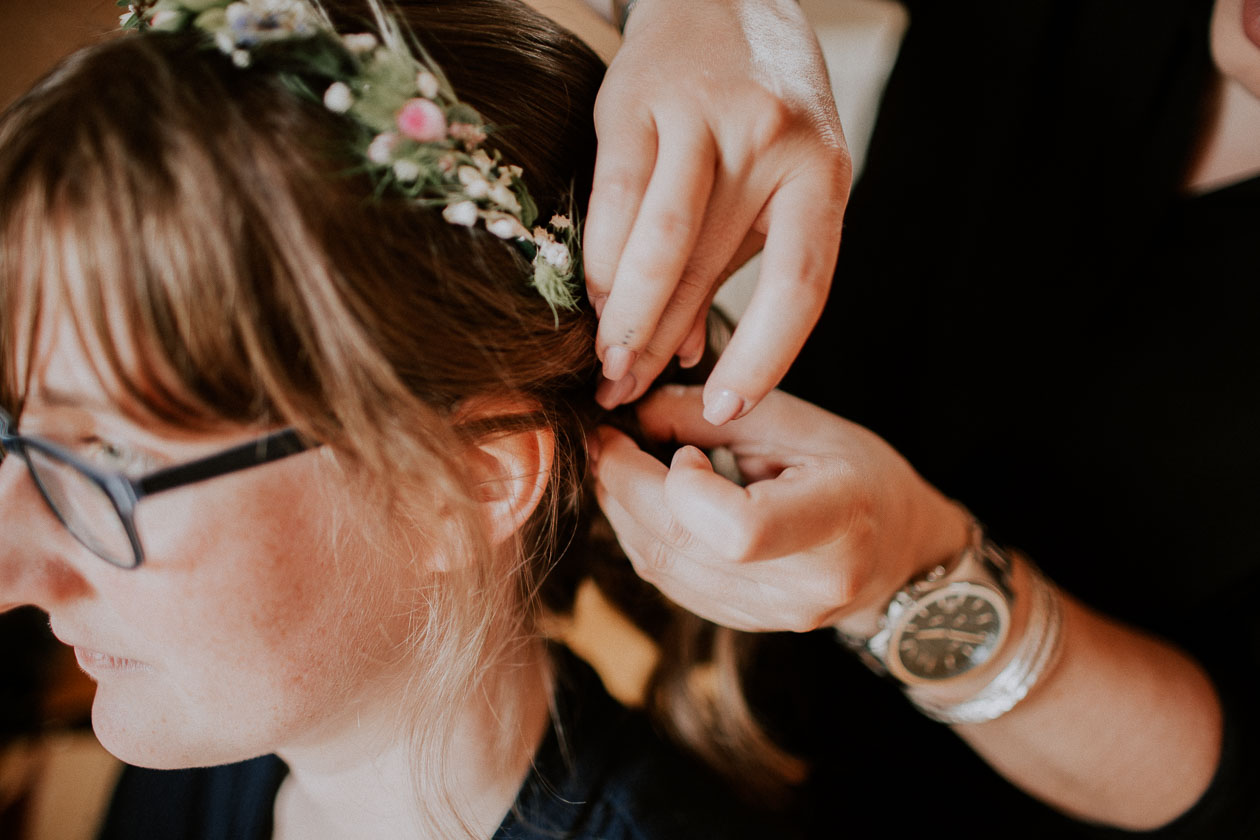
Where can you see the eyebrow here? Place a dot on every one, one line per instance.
(47, 396)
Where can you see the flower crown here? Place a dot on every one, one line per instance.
(416, 138)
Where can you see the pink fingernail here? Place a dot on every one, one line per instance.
(612, 393)
(723, 408)
(617, 362)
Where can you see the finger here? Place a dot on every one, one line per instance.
(796, 269)
(726, 241)
(715, 593)
(781, 421)
(660, 244)
(800, 509)
(623, 169)
(691, 351)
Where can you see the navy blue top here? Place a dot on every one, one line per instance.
(603, 774)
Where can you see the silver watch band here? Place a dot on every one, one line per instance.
(1037, 653)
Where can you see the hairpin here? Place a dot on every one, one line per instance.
(417, 137)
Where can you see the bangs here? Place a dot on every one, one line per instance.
(85, 250)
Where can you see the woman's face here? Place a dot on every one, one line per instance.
(1236, 41)
(244, 628)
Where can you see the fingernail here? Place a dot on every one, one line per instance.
(690, 360)
(723, 408)
(597, 303)
(617, 362)
(613, 392)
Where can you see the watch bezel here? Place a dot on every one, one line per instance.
(914, 608)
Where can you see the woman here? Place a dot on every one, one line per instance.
(1045, 301)
(294, 404)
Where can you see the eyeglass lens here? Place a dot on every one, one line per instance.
(83, 506)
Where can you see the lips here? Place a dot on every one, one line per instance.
(94, 663)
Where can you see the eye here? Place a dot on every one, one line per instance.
(110, 455)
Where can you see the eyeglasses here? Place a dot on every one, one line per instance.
(98, 506)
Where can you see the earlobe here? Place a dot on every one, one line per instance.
(509, 472)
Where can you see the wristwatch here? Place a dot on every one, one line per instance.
(941, 625)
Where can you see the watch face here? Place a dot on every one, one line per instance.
(947, 632)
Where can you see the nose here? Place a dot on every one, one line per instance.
(33, 568)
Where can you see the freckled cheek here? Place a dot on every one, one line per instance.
(253, 575)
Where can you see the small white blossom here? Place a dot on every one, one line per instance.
(338, 98)
(166, 19)
(359, 42)
(240, 58)
(427, 84)
(560, 222)
(225, 43)
(483, 161)
(461, 213)
(506, 227)
(502, 195)
(556, 253)
(406, 170)
(474, 182)
(381, 149)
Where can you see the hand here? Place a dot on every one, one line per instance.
(717, 132)
(831, 523)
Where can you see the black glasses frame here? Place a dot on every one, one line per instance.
(126, 492)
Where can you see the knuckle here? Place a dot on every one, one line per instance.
(672, 225)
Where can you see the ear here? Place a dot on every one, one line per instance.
(509, 470)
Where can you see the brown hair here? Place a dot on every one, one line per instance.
(218, 227)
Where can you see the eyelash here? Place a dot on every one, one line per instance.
(110, 455)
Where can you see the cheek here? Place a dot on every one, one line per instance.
(255, 624)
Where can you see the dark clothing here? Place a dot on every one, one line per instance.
(603, 775)
(1030, 308)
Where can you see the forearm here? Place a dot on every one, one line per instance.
(1125, 730)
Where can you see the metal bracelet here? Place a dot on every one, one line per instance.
(1037, 654)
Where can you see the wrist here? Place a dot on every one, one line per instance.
(936, 535)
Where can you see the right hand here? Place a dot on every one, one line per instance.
(830, 525)
(717, 131)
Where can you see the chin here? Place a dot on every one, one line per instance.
(146, 735)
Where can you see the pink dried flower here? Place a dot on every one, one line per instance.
(422, 120)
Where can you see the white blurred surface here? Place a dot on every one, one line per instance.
(860, 39)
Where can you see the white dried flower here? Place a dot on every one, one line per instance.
(473, 181)
(240, 58)
(166, 19)
(502, 195)
(483, 161)
(381, 149)
(338, 98)
(555, 253)
(427, 84)
(506, 227)
(224, 42)
(461, 213)
(360, 42)
(406, 170)
(560, 222)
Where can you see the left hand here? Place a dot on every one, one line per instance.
(831, 523)
(718, 132)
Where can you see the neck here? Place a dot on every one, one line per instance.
(1230, 152)
(360, 780)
